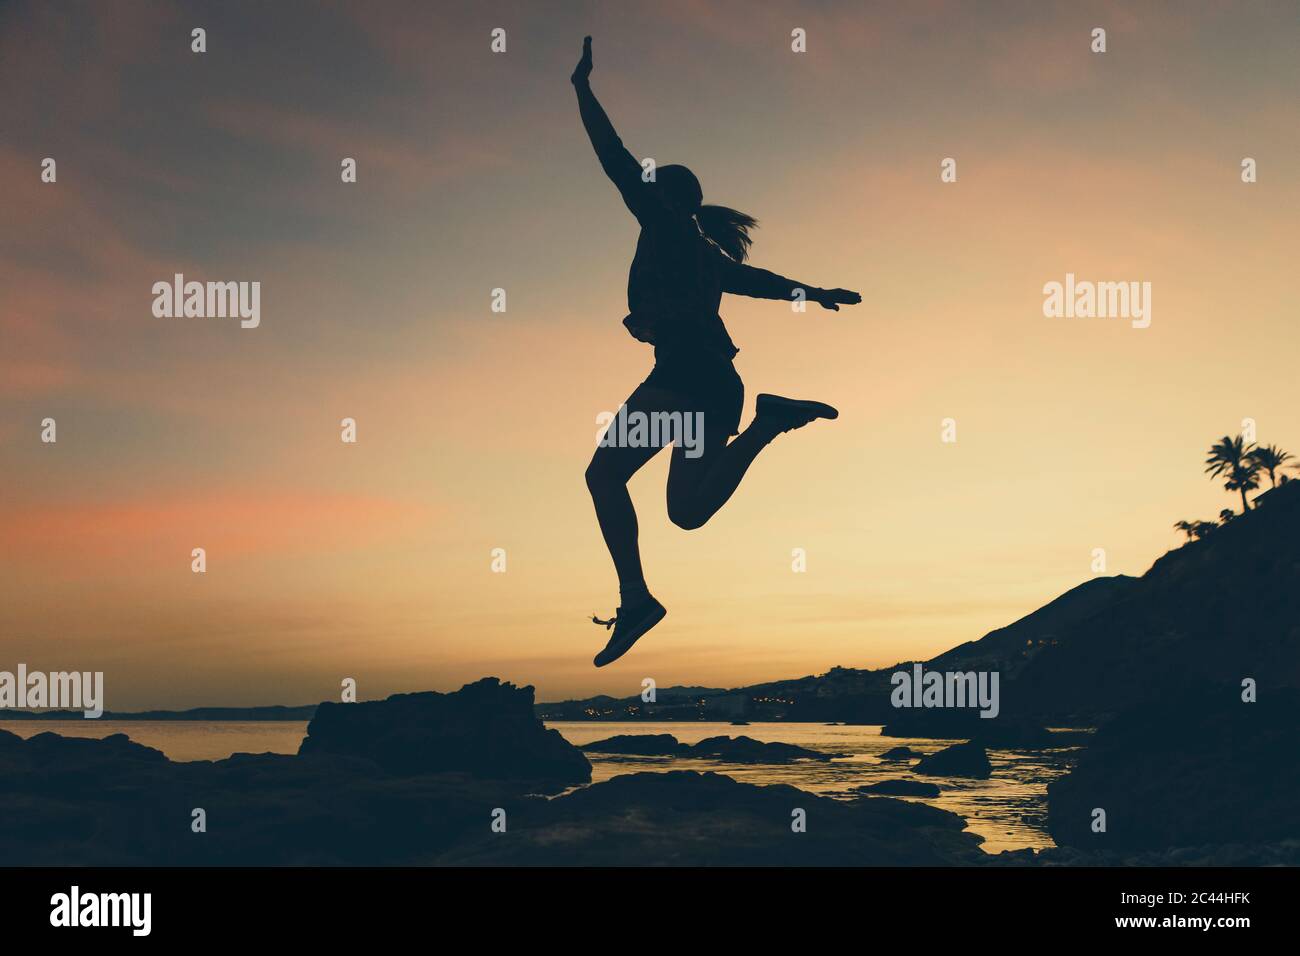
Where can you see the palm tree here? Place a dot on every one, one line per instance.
(1243, 478)
(1186, 527)
(1232, 457)
(1270, 458)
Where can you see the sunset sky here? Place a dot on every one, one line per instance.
(328, 560)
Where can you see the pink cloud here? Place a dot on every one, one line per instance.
(154, 531)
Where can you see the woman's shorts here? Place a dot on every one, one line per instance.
(708, 381)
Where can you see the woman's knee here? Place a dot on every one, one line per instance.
(687, 516)
(600, 475)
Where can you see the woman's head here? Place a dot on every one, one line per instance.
(728, 228)
(680, 188)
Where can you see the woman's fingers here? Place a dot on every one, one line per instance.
(833, 298)
(583, 69)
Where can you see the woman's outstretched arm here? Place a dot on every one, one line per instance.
(741, 279)
(619, 164)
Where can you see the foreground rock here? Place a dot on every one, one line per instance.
(486, 729)
(74, 801)
(682, 818)
(901, 788)
(67, 801)
(730, 749)
(959, 760)
(111, 802)
(1200, 769)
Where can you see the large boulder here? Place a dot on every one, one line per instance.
(1201, 768)
(486, 729)
(959, 760)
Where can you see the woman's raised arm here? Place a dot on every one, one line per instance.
(620, 165)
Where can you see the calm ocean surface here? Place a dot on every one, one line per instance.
(1009, 810)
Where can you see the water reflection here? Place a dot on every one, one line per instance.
(1009, 809)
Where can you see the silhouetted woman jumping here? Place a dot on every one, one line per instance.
(688, 254)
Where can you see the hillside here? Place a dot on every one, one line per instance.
(1213, 611)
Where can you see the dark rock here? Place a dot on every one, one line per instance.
(900, 753)
(351, 797)
(641, 745)
(732, 749)
(749, 750)
(959, 760)
(1197, 768)
(932, 724)
(48, 750)
(132, 807)
(486, 729)
(901, 788)
(1008, 734)
(684, 818)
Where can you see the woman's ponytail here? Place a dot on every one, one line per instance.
(728, 228)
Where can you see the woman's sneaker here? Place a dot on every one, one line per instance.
(783, 414)
(629, 623)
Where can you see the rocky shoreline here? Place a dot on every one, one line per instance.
(474, 778)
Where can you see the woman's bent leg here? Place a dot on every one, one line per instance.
(698, 487)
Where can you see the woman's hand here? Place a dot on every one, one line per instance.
(834, 298)
(583, 69)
